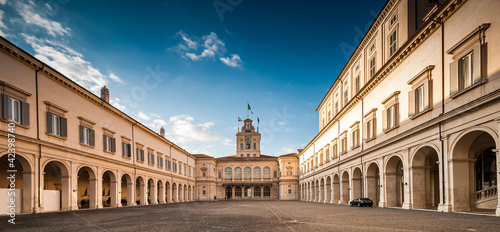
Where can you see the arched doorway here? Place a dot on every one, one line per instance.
(229, 192)
(373, 183)
(140, 191)
(257, 192)
(248, 192)
(344, 196)
(151, 192)
(267, 192)
(21, 181)
(336, 189)
(127, 191)
(328, 192)
(425, 179)
(394, 188)
(109, 189)
(175, 193)
(237, 192)
(179, 193)
(321, 191)
(56, 184)
(356, 183)
(86, 188)
(168, 192)
(474, 182)
(160, 190)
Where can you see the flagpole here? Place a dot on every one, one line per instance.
(247, 109)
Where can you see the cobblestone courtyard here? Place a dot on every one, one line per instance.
(251, 216)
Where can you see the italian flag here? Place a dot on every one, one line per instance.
(250, 108)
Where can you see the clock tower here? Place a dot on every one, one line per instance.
(248, 140)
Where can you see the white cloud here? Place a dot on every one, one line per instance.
(143, 116)
(184, 130)
(289, 149)
(281, 123)
(116, 103)
(27, 11)
(2, 25)
(115, 78)
(234, 61)
(3, 2)
(211, 47)
(68, 62)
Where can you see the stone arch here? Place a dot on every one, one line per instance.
(373, 184)
(321, 190)
(160, 192)
(109, 189)
(151, 189)
(344, 193)
(140, 191)
(168, 192)
(425, 178)
(357, 188)
(23, 182)
(336, 188)
(126, 190)
(474, 170)
(86, 187)
(175, 192)
(185, 193)
(56, 186)
(328, 191)
(394, 181)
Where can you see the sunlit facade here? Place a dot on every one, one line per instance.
(413, 119)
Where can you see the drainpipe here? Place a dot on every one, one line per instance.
(442, 107)
(38, 135)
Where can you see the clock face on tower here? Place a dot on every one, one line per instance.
(248, 138)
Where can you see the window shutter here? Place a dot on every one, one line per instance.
(49, 123)
(92, 137)
(64, 127)
(5, 107)
(113, 145)
(384, 120)
(411, 103)
(104, 142)
(427, 94)
(476, 63)
(129, 149)
(137, 153)
(81, 133)
(25, 113)
(123, 149)
(395, 112)
(454, 78)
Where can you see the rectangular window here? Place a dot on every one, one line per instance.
(355, 138)
(393, 43)
(465, 71)
(56, 125)
(419, 99)
(344, 144)
(275, 174)
(87, 136)
(204, 174)
(357, 84)
(394, 19)
(369, 128)
(126, 150)
(14, 110)
(220, 175)
(140, 155)
(289, 191)
(168, 164)
(175, 166)
(289, 173)
(108, 143)
(372, 67)
(160, 162)
(254, 146)
(151, 158)
(241, 146)
(336, 107)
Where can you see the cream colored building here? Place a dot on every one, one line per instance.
(248, 174)
(74, 150)
(413, 119)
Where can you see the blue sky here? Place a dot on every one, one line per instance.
(191, 66)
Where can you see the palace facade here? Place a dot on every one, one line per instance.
(413, 118)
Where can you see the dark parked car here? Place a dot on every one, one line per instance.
(362, 202)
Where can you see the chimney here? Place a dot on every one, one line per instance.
(162, 132)
(105, 94)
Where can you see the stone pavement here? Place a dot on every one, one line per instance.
(251, 216)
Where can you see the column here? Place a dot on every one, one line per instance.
(154, 194)
(114, 194)
(406, 180)
(445, 200)
(382, 185)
